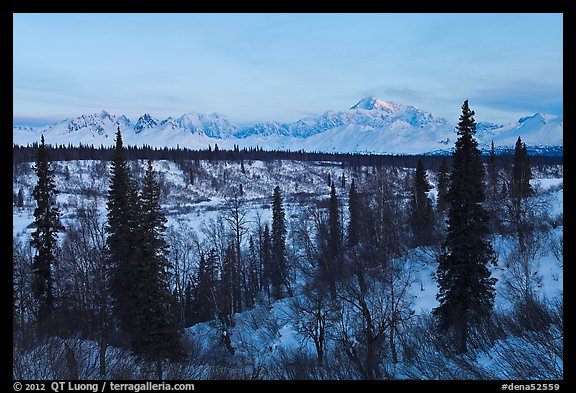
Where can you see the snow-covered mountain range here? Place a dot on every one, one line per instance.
(370, 126)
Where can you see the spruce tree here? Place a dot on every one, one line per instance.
(45, 236)
(354, 223)
(335, 234)
(443, 182)
(330, 248)
(20, 198)
(253, 284)
(278, 269)
(421, 207)
(521, 172)
(122, 243)
(527, 171)
(492, 175)
(466, 290)
(266, 258)
(156, 335)
(189, 316)
(520, 188)
(334, 223)
(205, 291)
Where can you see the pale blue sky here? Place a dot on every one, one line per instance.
(285, 66)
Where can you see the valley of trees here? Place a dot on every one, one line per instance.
(116, 294)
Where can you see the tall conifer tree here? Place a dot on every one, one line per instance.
(521, 172)
(205, 291)
(466, 289)
(443, 183)
(20, 198)
(278, 270)
(122, 242)
(520, 188)
(331, 255)
(354, 215)
(492, 175)
(189, 309)
(266, 257)
(156, 335)
(421, 207)
(335, 231)
(45, 236)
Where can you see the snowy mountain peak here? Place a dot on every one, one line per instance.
(372, 125)
(23, 127)
(370, 103)
(145, 121)
(104, 114)
(537, 116)
(213, 125)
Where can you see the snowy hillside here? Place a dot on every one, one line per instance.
(370, 126)
(537, 130)
(267, 339)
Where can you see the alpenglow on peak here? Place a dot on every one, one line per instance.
(370, 103)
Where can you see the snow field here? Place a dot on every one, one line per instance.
(262, 332)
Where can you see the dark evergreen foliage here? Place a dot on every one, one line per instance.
(45, 235)
(20, 198)
(521, 172)
(122, 227)
(443, 184)
(354, 220)
(492, 175)
(205, 291)
(330, 246)
(156, 335)
(352, 160)
(278, 271)
(520, 188)
(335, 244)
(189, 310)
(466, 289)
(266, 258)
(422, 218)
(334, 224)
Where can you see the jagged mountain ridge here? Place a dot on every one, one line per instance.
(370, 126)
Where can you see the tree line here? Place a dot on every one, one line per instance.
(90, 152)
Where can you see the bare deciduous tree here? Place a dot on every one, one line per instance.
(184, 252)
(85, 288)
(235, 214)
(313, 315)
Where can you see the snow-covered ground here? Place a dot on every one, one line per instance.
(261, 333)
